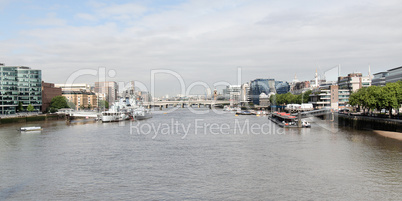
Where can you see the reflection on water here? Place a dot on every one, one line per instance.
(214, 160)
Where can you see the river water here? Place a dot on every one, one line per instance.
(183, 155)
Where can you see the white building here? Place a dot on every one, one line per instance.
(245, 93)
(74, 87)
(233, 92)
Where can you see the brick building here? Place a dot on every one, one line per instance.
(48, 92)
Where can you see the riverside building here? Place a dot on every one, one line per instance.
(392, 75)
(19, 84)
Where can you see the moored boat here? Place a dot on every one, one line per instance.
(32, 128)
(142, 113)
(286, 120)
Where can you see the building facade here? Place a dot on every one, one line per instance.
(108, 89)
(352, 82)
(245, 94)
(282, 87)
(81, 99)
(74, 87)
(259, 86)
(48, 92)
(379, 79)
(330, 96)
(233, 93)
(19, 84)
(392, 75)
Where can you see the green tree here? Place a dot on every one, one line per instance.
(399, 92)
(20, 108)
(59, 102)
(306, 96)
(373, 94)
(30, 108)
(82, 107)
(89, 106)
(103, 104)
(52, 110)
(71, 105)
(388, 98)
(272, 99)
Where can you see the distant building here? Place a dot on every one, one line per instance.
(233, 93)
(336, 95)
(282, 87)
(354, 81)
(392, 75)
(301, 87)
(264, 100)
(259, 86)
(215, 94)
(379, 79)
(129, 91)
(109, 89)
(48, 92)
(143, 96)
(80, 99)
(74, 87)
(330, 96)
(19, 84)
(245, 94)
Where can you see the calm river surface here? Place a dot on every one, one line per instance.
(181, 155)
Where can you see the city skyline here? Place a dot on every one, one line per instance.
(200, 40)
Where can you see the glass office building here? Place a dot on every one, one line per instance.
(19, 84)
(282, 87)
(259, 86)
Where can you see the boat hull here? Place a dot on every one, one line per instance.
(30, 129)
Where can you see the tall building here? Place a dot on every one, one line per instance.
(245, 94)
(48, 92)
(19, 84)
(108, 89)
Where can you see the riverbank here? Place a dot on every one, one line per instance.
(369, 123)
(389, 134)
(24, 119)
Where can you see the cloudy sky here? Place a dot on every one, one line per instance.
(201, 40)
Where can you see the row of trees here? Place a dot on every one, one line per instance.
(374, 97)
(288, 98)
(59, 102)
(20, 108)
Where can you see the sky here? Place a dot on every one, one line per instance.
(200, 41)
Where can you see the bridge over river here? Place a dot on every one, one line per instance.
(189, 103)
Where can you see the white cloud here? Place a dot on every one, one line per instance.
(86, 16)
(209, 41)
(50, 20)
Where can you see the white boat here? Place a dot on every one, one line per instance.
(118, 112)
(32, 128)
(228, 108)
(141, 113)
(306, 124)
(112, 116)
